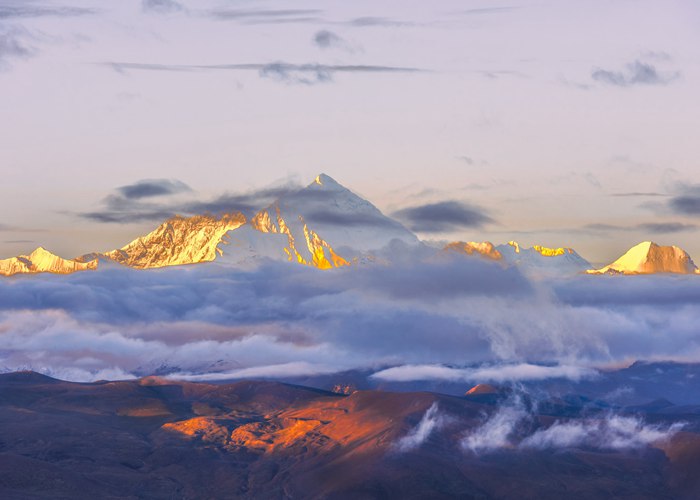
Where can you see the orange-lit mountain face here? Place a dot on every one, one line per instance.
(485, 249)
(179, 240)
(157, 438)
(649, 258)
(43, 261)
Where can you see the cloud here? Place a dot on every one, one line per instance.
(31, 9)
(14, 44)
(443, 217)
(148, 188)
(127, 204)
(262, 16)
(667, 227)
(161, 6)
(496, 432)
(325, 39)
(427, 316)
(488, 10)
(466, 159)
(511, 427)
(498, 373)
(368, 21)
(636, 73)
(638, 194)
(283, 72)
(283, 370)
(686, 200)
(613, 432)
(431, 421)
(646, 227)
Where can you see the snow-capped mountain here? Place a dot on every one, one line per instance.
(327, 225)
(541, 260)
(479, 248)
(43, 261)
(179, 240)
(648, 258)
(538, 260)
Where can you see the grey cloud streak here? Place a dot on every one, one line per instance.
(148, 188)
(443, 216)
(128, 205)
(284, 72)
(647, 227)
(269, 16)
(26, 9)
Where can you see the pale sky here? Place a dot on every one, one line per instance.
(565, 123)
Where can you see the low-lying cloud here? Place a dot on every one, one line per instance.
(613, 432)
(423, 318)
(431, 421)
(511, 427)
(498, 373)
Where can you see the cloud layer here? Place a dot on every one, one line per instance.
(448, 318)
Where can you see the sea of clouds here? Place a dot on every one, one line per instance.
(450, 318)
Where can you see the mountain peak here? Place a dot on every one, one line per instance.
(647, 258)
(326, 182)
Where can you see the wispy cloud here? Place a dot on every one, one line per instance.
(307, 74)
(14, 44)
(370, 21)
(431, 421)
(635, 73)
(443, 216)
(497, 373)
(148, 188)
(488, 10)
(19, 10)
(269, 16)
(647, 227)
(612, 432)
(132, 203)
(161, 6)
(509, 428)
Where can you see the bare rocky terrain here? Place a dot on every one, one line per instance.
(155, 438)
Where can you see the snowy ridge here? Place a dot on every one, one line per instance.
(43, 261)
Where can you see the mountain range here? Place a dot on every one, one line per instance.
(325, 225)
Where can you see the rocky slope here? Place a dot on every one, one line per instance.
(155, 438)
(179, 240)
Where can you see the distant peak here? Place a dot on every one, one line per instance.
(552, 252)
(40, 251)
(325, 181)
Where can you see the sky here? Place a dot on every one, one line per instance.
(562, 123)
